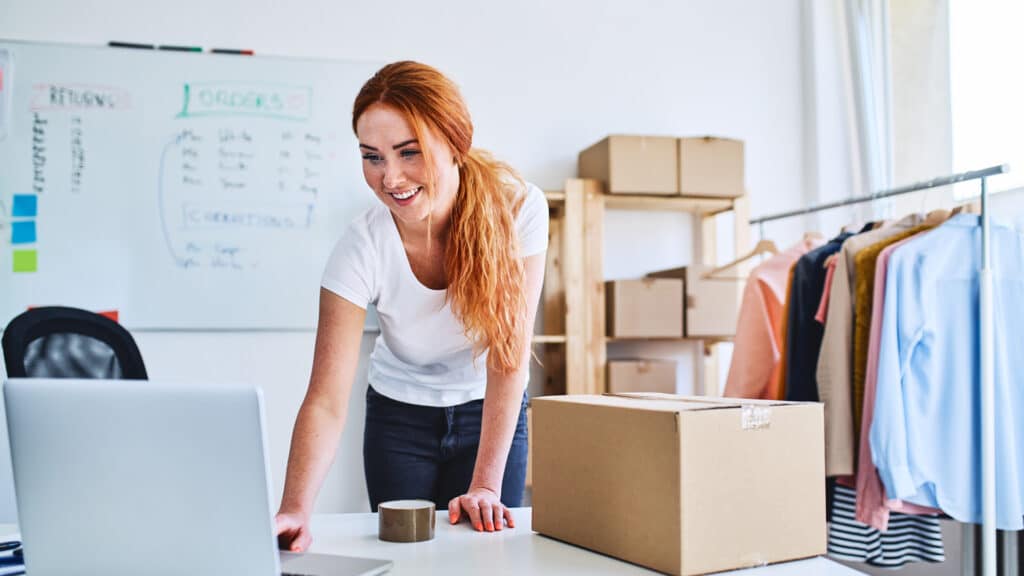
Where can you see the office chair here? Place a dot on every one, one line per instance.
(62, 342)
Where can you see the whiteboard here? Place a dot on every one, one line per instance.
(183, 190)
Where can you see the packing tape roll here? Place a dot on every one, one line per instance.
(406, 520)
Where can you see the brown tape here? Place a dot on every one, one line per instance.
(406, 520)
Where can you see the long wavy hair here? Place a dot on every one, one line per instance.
(486, 282)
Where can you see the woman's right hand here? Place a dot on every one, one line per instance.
(292, 532)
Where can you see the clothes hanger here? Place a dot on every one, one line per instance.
(968, 208)
(762, 247)
(936, 217)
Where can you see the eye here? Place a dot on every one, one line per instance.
(410, 153)
(372, 158)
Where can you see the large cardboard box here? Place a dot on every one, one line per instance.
(641, 376)
(710, 166)
(681, 485)
(644, 308)
(711, 306)
(633, 164)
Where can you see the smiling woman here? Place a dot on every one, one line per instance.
(453, 259)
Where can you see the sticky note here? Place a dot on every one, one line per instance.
(23, 232)
(24, 205)
(25, 261)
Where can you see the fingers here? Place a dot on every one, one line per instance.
(292, 534)
(508, 518)
(487, 515)
(454, 510)
(302, 541)
(472, 508)
(498, 524)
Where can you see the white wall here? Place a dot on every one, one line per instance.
(543, 80)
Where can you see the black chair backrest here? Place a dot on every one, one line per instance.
(62, 342)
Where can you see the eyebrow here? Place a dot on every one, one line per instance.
(395, 147)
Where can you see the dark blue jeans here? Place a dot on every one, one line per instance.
(428, 453)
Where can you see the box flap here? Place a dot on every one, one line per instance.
(717, 402)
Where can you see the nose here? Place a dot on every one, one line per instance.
(393, 176)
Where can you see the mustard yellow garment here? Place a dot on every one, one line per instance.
(864, 292)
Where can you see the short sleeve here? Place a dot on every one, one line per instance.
(351, 268)
(532, 222)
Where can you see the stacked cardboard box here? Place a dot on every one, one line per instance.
(641, 376)
(661, 165)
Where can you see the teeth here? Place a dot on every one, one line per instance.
(408, 194)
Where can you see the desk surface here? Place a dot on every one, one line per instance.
(458, 550)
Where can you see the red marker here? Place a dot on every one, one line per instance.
(231, 51)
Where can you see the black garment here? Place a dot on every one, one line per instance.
(803, 332)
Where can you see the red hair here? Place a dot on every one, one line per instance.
(486, 282)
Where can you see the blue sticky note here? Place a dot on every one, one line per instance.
(24, 205)
(23, 232)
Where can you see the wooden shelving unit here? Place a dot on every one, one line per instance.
(574, 352)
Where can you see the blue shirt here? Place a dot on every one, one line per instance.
(926, 433)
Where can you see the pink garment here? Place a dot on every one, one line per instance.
(823, 307)
(872, 506)
(758, 342)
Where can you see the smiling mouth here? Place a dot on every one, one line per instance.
(407, 194)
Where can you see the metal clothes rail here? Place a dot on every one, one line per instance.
(988, 477)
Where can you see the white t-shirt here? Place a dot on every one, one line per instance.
(422, 355)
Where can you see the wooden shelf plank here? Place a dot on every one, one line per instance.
(611, 339)
(679, 203)
(555, 195)
(548, 339)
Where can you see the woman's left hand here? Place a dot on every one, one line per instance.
(484, 509)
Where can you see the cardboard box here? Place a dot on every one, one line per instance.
(641, 376)
(633, 164)
(529, 447)
(681, 485)
(644, 308)
(710, 166)
(712, 305)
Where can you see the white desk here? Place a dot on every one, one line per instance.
(458, 550)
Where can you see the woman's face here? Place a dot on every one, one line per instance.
(396, 170)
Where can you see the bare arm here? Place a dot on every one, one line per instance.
(502, 402)
(322, 415)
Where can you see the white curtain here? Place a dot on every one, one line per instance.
(864, 29)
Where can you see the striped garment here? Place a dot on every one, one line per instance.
(909, 538)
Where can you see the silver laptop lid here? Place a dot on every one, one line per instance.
(114, 475)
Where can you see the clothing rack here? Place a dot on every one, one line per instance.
(988, 441)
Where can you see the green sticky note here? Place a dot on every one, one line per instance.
(25, 261)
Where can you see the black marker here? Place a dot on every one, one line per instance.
(130, 45)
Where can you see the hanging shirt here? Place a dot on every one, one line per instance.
(926, 434)
(864, 296)
(803, 334)
(909, 539)
(835, 363)
(830, 272)
(872, 506)
(757, 346)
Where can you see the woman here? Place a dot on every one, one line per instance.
(453, 258)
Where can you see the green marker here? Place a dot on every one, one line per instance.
(180, 48)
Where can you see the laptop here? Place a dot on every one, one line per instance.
(123, 477)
